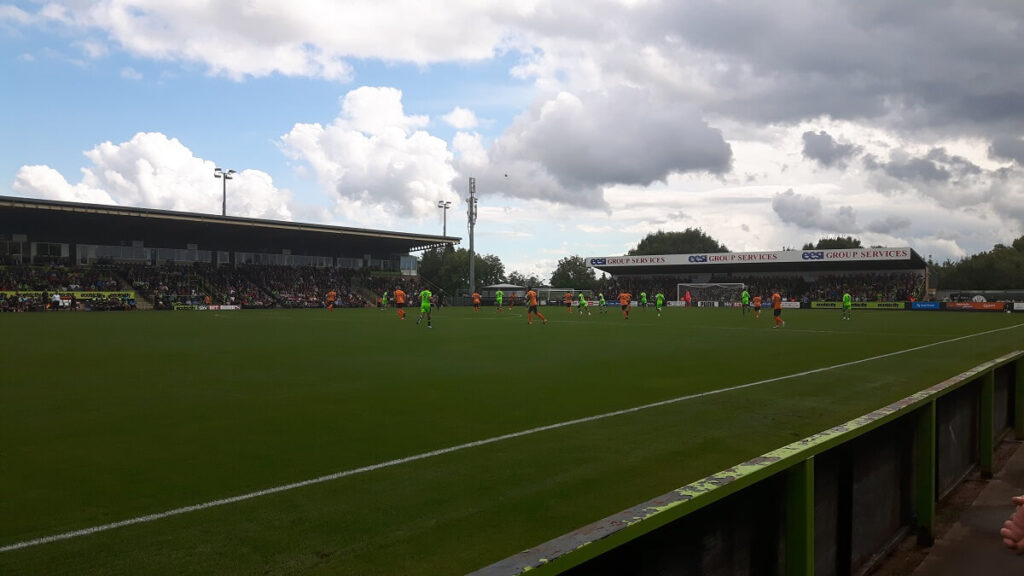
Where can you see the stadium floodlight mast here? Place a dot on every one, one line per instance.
(471, 214)
(226, 175)
(444, 205)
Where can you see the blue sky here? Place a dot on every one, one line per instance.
(767, 126)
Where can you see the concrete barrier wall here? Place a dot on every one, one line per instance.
(1003, 410)
(956, 435)
(831, 521)
(881, 488)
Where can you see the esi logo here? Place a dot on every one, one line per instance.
(813, 256)
(598, 261)
(700, 258)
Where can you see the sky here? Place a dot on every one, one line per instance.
(587, 125)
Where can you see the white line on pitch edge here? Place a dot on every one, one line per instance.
(449, 450)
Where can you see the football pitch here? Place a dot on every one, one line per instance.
(351, 442)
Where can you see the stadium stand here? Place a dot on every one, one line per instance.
(174, 259)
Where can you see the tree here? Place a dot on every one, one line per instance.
(488, 270)
(573, 272)
(448, 269)
(689, 241)
(520, 279)
(1001, 268)
(430, 262)
(834, 243)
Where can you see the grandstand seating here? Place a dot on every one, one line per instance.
(245, 286)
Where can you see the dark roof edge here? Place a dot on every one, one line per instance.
(115, 210)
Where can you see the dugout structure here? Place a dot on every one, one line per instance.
(723, 267)
(45, 232)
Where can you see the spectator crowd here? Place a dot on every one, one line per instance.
(31, 288)
(26, 288)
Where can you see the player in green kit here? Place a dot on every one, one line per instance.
(745, 297)
(583, 305)
(425, 306)
(643, 301)
(659, 301)
(847, 306)
(601, 304)
(498, 296)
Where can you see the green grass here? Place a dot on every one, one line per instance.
(107, 417)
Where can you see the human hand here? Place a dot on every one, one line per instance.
(1013, 529)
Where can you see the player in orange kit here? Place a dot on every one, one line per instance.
(624, 299)
(400, 302)
(777, 309)
(531, 297)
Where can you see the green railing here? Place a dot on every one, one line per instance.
(883, 474)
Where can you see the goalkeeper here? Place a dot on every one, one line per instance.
(745, 297)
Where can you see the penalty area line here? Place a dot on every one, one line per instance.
(475, 444)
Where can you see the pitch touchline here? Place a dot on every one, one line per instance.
(449, 450)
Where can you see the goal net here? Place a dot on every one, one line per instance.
(710, 294)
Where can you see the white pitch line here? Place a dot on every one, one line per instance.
(449, 450)
(802, 330)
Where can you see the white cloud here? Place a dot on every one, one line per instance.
(256, 196)
(45, 182)
(618, 136)
(154, 171)
(260, 38)
(130, 73)
(470, 149)
(461, 118)
(13, 14)
(373, 110)
(756, 60)
(371, 157)
(889, 224)
(93, 49)
(807, 212)
(568, 148)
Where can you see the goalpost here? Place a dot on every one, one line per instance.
(710, 293)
